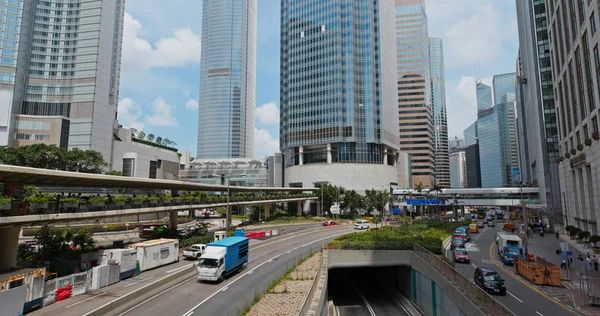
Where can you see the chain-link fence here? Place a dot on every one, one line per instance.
(483, 300)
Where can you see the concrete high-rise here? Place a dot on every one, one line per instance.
(339, 121)
(575, 54)
(227, 79)
(414, 89)
(440, 117)
(59, 77)
(458, 169)
(538, 128)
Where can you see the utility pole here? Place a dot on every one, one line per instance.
(525, 221)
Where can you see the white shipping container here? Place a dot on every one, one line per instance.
(156, 253)
(113, 274)
(99, 277)
(126, 258)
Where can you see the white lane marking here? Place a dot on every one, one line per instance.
(138, 282)
(364, 299)
(289, 251)
(258, 266)
(180, 268)
(555, 298)
(225, 289)
(569, 306)
(516, 298)
(270, 260)
(474, 266)
(190, 313)
(539, 313)
(87, 299)
(250, 272)
(474, 240)
(148, 300)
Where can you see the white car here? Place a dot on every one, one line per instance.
(361, 224)
(194, 252)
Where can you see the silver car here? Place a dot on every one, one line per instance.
(361, 224)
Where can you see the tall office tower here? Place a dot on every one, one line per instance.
(497, 145)
(458, 169)
(440, 118)
(227, 79)
(538, 128)
(70, 89)
(339, 121)
(456, 143)
(473, 162)
(504, 86)
(575, 53)
(484, 96)
(470, 134)
(414, 89)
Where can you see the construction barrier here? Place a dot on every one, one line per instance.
(538, 274)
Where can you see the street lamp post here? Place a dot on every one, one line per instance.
(323, 184)
(227, 210)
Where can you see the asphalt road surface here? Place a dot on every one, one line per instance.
(230, 297)
(356, 294)
(522, 298)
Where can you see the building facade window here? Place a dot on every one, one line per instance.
(128, 167)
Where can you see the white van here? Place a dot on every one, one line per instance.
(361, 224)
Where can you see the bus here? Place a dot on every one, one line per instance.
(481, 213)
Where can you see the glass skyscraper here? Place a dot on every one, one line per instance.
(505, 86)
(69, 56)
(414, 89)
(227, 79)
(470, 134)
(484, 96)
(440, 118)
(338, 98)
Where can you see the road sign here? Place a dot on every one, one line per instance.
(334, 209)
(396, 211)
(569, 253)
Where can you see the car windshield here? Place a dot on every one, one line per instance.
(208, 263)
(512, 251)
(461, 252)
(492, 276)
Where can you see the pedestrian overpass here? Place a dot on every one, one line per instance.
(471, 197)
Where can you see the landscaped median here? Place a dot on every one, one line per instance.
(430, 236)
(287, 295)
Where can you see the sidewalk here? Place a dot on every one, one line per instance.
(546, 247)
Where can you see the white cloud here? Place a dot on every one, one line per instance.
(268, 114)
(462, 104)
(177, 51)
(264, 144)
(191, 104)
(161, 114)
(129, 114)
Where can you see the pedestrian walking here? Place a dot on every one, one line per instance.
(557, 234)
(595, 261)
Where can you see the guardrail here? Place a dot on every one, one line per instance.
(479, 297)
(311, 302)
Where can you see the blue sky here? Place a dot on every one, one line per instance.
(161, 57)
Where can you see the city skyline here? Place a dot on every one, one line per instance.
(161, 97)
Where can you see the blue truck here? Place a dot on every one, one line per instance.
(222, 258)
(509, 246)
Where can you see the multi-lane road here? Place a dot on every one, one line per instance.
(356, 294)
(269, 260)
(522, 298)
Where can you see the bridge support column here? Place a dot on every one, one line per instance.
(267, 210)
(173, 220)
(299, 208)
(9, 237)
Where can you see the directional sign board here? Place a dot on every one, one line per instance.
(569, 253)
(334, 209)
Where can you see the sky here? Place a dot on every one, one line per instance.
(160, 65)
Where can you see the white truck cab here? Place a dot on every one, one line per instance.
(212, 264)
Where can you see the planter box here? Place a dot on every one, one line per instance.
(137, 202)
(99, 204)
(122, 203)
(153, 202)
(69, 205)
(166, 202)
(6, 206)
(38, 206)
(176, 202)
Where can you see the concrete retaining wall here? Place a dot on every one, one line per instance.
(368, 258)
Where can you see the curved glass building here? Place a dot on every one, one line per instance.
(227, 79)
(339, 120)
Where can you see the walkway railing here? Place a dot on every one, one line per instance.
(479, 297)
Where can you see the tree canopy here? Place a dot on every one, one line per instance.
(53, 157)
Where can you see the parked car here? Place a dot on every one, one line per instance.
(480, 225)
(489, 280)
(459, 240)
(491, 224)
(361, 224)
(194, 252)
(329, 223)
(461, 219)
(461, 255)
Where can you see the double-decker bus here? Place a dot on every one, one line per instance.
(481, 213)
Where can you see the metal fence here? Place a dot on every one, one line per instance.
(480, 298)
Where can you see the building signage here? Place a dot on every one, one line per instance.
(396, 211)
(425, 202)
(516, 175)
(578, 161)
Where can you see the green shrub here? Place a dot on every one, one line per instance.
(583, 234)
(167, 197)
(38, 198)
(5, 200)
(139, 198)
(120, 198)
(205, 239)
(574, 231)
(153, 198)
(594, 238)
(69, 200)
(97, 199)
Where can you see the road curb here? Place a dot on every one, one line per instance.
(131, 299)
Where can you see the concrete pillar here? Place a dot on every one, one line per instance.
(9, 237)
(267, 210)
(299, 209)
(173, 220)
(385, 156)
(329, 159)
(301, 155)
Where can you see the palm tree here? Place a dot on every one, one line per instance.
(437, 189)
(419, 188)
